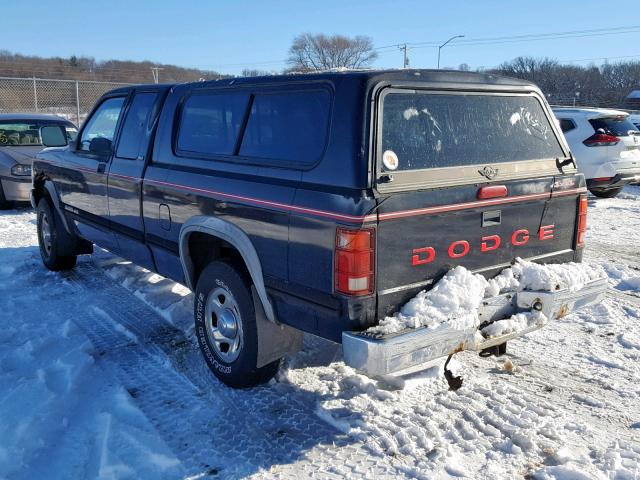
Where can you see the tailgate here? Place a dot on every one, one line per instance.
(453, 228)
(471, 180)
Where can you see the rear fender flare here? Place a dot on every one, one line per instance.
(233, 235)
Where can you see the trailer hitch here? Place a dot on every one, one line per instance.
(454, 382)
(497, 350)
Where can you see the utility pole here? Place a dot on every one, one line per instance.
(440, 47)
(405, 62)
(154, 71)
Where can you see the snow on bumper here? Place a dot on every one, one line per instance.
(377, 354)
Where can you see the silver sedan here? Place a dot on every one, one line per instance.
(19, 144)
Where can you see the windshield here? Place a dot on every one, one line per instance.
(618, 126)
(423, 130)
(27, 133)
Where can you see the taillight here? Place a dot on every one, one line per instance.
(355, 261)
(601, 140)
(582, 220)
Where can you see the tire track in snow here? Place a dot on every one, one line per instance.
(185, 420)
(556, 394)
(162, 369)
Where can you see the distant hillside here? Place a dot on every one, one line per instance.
(87, 68)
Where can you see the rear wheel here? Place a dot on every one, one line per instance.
(225, 324)
(4, 204)
(605, 193)
(55, 242)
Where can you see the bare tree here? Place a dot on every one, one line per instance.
(529, 68)
(604, 86)
(320, 52)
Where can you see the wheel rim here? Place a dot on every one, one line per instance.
(224, 324)
(46, 233)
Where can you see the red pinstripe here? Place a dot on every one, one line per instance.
(361, 218)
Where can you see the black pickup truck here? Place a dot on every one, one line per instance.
(317, 203)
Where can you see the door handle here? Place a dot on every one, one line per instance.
(101, 167)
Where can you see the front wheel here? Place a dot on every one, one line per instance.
(53, 239)
(605, 193)
(225, 324)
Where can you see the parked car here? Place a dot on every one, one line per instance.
(319, 203)
(606, 146)
(635, 119)
(19, 144)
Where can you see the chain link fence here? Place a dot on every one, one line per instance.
(70, 99)
(73, 99)
(568, 100)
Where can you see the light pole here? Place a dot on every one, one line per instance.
(440, 47)
(154, 71)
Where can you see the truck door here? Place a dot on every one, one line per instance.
(125, 177)
(83, 183)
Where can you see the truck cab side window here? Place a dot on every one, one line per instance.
(135, 125)
(97, 135)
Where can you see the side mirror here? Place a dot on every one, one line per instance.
(100, 146)
(53, 136)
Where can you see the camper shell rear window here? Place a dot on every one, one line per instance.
(424, 130)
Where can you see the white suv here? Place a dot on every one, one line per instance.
(635, 119)
(606, 146)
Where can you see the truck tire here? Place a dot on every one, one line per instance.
(225, 324)
(53, 239)
(606, 193)
(4, 204)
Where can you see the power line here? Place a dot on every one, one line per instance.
(536, 36)
(515, 39)
(484, 41)
(480, 41)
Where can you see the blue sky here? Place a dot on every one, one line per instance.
(227, 36)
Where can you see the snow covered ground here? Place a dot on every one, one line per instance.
(101, 377)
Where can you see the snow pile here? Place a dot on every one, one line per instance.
(456, 297)
(517, 322)
(524, 275)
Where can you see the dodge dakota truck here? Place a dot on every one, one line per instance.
(318, 203)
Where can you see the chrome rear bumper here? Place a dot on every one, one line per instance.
(383, 354)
